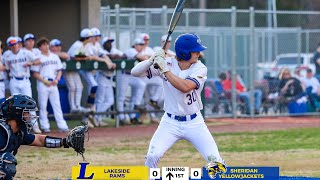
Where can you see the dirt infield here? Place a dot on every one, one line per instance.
(215, 126)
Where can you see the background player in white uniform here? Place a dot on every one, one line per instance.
(94, 49)
(105, 95)
(56, 48)
(167, 50)
(2, 76)
(48, 74)
(154, 85)
(137, 85)
(29, 42)
(73, 80)
(183, 80)
(18, 62)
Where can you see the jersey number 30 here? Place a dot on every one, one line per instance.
(191, 98)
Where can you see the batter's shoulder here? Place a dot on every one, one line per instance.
(199, 65)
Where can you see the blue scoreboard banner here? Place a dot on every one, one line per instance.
(245, 173)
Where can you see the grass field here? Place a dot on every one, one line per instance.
(295, 151)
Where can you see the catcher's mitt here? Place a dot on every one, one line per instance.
(75, 139)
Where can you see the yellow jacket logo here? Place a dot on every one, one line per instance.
(214, 168)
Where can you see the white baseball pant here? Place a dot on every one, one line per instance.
(104, 96)
(154, 87)
(22, 86)
(137, 89)
(2, 90)
(75, 88)
(170, 131)
(92, 87)
(51, 93)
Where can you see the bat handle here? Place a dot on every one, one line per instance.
(164, 46)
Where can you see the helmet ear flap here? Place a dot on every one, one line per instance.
(183, 54)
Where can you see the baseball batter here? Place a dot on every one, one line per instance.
(48, 74)
(183, 80)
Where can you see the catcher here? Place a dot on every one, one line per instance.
(18, 115)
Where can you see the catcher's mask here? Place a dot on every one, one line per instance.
(21, 108)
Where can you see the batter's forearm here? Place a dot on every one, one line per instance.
(141, 68)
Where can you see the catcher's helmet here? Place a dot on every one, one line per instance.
(21, 108)
(187, 43)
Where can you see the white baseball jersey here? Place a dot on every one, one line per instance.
(6, 52)
(131, 53)
(176, 102)
(35, 51)
(15, 62)
(312, 82)
(94, 49)
(2, 73)
(114, 51)
(148, 51)
(76, 49)
(49, 66)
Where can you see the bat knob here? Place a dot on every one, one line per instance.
(156, 66)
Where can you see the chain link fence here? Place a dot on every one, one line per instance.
(249, 46)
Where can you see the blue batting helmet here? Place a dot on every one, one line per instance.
(187, 43)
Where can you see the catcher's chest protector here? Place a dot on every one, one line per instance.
(12, 141)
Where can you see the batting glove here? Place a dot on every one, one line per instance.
(159, 53)
(161, 64)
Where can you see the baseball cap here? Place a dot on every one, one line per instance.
(144, 36)
(95, 31)
(28, 36)
(55, 42)
(19, 39)
(138, 41)
(12, 41)
(107, 39)
(9, 38)
(164, 37)
(86, 33)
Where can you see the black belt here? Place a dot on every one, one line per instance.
(182, 118)
(1, 80)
